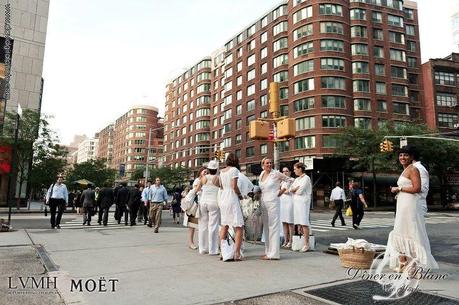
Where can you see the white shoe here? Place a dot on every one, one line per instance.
(305, 249)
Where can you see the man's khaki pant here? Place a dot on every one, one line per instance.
(155, 214)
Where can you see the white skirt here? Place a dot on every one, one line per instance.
(301, 207)
(286, 209)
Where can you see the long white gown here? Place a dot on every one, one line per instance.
(286, 204)
(409, 236)
(270, 211)
(209, 218)
(230, 207)
(302, 200)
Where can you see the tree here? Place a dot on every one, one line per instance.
(94, 170)
(30, 124)
(363, 144)
(170, 177)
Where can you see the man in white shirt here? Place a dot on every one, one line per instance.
(57, 197)
(338, 197)
(145, 206)
(424, 180)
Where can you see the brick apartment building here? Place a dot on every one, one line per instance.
(338, 62)
(130, 138)
(441, 86)
(105, 146)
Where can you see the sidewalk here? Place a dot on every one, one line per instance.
(159, 268)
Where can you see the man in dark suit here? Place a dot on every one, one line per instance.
(134, 202)
(105, 201)
(121, 203)
(115, 193)
(88, 199)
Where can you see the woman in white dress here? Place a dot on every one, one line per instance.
(270, 182)
(286, 210)
(192, 226)
(209, 213)
(230, 207)
(408, 242)
(302, 190)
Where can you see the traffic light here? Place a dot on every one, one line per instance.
(274, 107)
(386, 146)
(219, 154)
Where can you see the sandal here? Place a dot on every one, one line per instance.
(288, 246)
(304, 249)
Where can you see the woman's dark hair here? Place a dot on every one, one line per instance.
(410, 150)
(212, 171)
(355, 185)
(300, 165)
(232, 160)
(200, 171)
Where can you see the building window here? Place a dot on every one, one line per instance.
(447, 120)
(358, 14)
(396, 37)
(333, 101)
(251, 60)
(329, 141)
(305, 30)
(398, 72)
(330, 82)
(378, 52)
(303, 49)
(395, 21)
(264, 37)
(380, 70)
(263, 100)
(412, 62)
(251, 75)
(280, 44)
(263, 84)
(284, 110)
(376, 17)
(361, 85)
(411, 46)
(400, 108)
(305, 123)
(397, 55)
(263, 149)
(238, 109)
(303, 85)
(305, 142)
(446, 99)
(251, 105)
(331, 9)
(410, 30)
(360, 67)
(283, 93)
(331, 45)
(264, 68)
(409, 13)
(303, 67)
(359, 31)
(382, 106)
(264, 114)
(380, 88)
(283, 146)
(361, 104)
(359, 49)
(281, 76)
(444, 78)
(378, 34)
(332, 64)
(250, 152)
(250, 90)
(331, 27)
(399, 90)
(280, 60)
(280, 27)
(302, 14)
(364, 123)
(333, 121)
(304, 104)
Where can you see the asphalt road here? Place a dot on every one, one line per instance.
(442, 228)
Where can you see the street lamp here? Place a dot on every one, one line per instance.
(148, 151)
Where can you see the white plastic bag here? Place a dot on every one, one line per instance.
(227, 249)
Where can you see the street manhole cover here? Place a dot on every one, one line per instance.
(362, 292)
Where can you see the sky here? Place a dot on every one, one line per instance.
(104, 56)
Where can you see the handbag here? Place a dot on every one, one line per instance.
(188, 201)
(50, 196)
(349, 211)
(298, 242)
(227, 248)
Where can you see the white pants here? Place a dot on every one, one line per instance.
(271, 228)
(208, 226)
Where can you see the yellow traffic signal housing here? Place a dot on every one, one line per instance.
(222, 155)
(286, 128)
(259, 130)
(389, 146)
(217, 154)
(382, 147)
(274, 98)
(386, 146)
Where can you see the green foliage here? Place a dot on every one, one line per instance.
(49, 161)
(170, 177)
(94, 170)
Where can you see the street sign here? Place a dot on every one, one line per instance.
(403, 142)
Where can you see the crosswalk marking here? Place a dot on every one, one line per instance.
(77, 223)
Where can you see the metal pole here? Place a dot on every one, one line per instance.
(10, 177)
(148, 157)
(276, 149)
